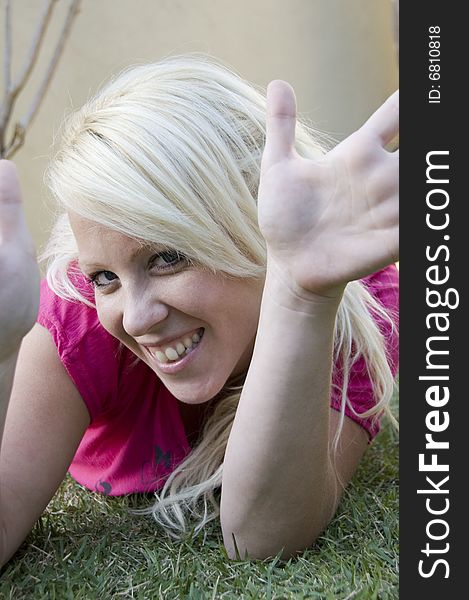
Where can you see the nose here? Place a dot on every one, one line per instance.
(143, 311)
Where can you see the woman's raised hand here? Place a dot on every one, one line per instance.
(331, 220)
(19, 273)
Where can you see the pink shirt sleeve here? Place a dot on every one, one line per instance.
(78, 335)
(384, 286)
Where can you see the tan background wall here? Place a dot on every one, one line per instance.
(338, 55)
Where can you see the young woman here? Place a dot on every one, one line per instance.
(219, 312)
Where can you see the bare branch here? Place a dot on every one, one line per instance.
(21, 126)
(6, 72)
(16, 142)
(12, 91)
(7, 49)
(36, 43)
(72, 13)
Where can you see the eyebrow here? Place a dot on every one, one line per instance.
(90, 266)
(85, 266)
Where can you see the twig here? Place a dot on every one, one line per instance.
(12, 91)
(72, 13)
(6, 69)
(16, 141)
(35, 47)
(7, 49)
(20, 128)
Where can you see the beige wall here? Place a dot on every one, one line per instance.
(337, 54)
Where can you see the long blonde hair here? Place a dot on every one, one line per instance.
(170, 153)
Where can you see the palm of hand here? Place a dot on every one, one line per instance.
(329, 221)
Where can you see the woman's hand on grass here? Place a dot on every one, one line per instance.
(19, 273)
(331, 220)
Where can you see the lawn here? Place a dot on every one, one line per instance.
(87, 546)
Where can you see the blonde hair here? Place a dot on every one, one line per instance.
(170, 153)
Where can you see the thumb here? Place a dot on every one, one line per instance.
(9, 184)
(384, 122)
(281, 121)
(11, 212)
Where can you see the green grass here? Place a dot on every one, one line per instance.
(87, 546)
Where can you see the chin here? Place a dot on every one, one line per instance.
(190, 394)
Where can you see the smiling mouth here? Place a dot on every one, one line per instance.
(179, 348)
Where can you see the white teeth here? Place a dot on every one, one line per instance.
(187, 342)
(182, 348)
(171, 353)
(161, 356)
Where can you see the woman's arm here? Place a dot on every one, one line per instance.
(42, 416)
(325, 222)
(45, 422)
(279, 487)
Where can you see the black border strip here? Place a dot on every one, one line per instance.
(433, 120)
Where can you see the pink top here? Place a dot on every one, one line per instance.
(136, 436)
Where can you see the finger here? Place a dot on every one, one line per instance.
(384, 123)
(11, 212)
(281, 120)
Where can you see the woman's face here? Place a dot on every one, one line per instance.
(158, 306)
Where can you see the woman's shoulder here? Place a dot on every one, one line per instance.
(387, 277)
(69, 320)
(384, 286)
(93, 358)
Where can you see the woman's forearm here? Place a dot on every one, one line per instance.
(7, 372)
(278, 487)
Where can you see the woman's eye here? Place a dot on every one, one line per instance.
(103, 278)
(168, 258)
(162, 261)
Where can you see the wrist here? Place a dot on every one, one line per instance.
(288, 294)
